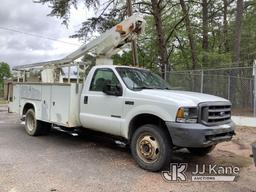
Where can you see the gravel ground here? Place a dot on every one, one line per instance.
(61, 162)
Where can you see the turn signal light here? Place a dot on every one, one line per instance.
(187, 115)
(180, 113)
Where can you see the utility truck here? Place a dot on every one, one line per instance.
(131, 103)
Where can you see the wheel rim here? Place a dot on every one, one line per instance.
(148, 148)
(30, 122)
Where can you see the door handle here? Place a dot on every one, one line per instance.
(85, 99)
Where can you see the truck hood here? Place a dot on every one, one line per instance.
(182, 98)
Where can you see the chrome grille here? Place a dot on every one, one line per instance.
(215, 113)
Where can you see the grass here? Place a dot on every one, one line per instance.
(3, 101)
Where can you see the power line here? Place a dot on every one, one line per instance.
(35, 35)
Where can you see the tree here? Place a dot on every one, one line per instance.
(179, 34)
(190, 33)
(238, 29)
(157, 10)
(4, 73)
(205, 43)
(61, 8)
(225, 26)
(113, 11)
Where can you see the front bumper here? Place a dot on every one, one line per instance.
(199, 135)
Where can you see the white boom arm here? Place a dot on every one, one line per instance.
(106, 45)
(110, 42)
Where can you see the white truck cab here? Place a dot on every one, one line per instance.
(128, 102)
(116, 98)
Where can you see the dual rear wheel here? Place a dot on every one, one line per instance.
(35, 127)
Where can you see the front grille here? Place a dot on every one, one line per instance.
(215, 113)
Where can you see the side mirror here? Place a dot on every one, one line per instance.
(114, 90)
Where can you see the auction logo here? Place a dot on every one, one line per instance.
(202, 172)
(176, 173)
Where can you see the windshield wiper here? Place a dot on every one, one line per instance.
(145, 87)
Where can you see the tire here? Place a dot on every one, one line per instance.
(35, 127)
(151, 147)
(201, 151)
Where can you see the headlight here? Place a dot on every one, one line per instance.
(187, 115)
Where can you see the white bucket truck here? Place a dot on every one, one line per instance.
(128, 102)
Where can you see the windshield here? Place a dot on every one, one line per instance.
(137, 79)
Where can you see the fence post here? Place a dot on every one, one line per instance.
(202, 81)
(254, 90)
(69, 70)
(24, 76)
(229, 82)
(165, 73)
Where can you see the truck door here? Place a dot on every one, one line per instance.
(100, 111)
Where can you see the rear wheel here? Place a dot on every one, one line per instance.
(201, 151)
(151, 147)
(35, 127)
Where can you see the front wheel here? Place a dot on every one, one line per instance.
(151, 147)
(201, 151)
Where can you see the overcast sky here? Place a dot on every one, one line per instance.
(29, 17)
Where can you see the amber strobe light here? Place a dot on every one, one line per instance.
(120, 28)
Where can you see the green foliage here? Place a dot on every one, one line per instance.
(61, 8)
(123, 59)
(216, 59)
(4, 74)
(4, 71)
(3, 101)
(220, 42)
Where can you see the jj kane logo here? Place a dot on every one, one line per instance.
(177, 173)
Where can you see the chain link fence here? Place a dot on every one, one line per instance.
(234, 84)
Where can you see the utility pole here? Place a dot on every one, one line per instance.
(133, 44)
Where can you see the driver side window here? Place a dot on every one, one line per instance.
(102, 77)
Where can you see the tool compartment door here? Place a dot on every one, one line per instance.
(46, 102)
(14, 99)
(60, 104)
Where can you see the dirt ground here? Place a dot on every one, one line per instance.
(61, 162)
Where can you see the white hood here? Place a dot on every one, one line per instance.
(184, 98)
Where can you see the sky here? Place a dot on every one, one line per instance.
(29, 17)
